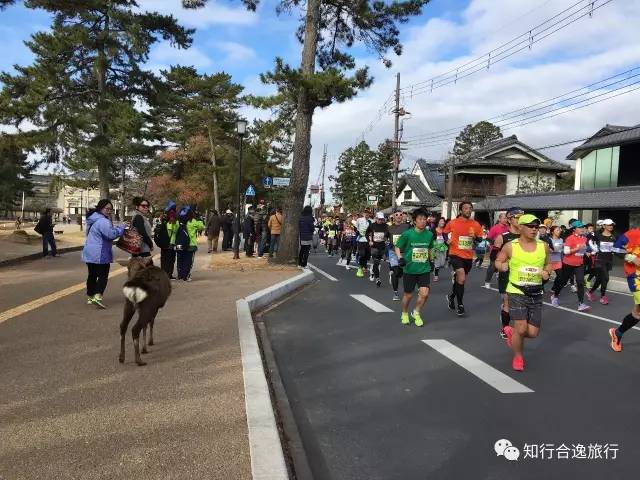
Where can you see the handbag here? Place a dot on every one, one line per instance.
(130, 241)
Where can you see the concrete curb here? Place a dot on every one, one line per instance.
(35, 256)
(267, 457)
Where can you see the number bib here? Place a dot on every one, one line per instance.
(529, 276)
(606, 247)
(396, 238)
(420, 255)
(332, 233)
(378, 237)
(440, 239)
(465, 243)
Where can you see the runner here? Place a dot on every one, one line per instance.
(364, 252)
(575, 246)
(346, 245)
(557, 247)
(395, 272)
(605, 240)
(629, 245)
(440, 248)
(494, 232)
(378, 236)
(512, 215)
(333, 230)
(527, 261)
(462, 233)
(413, 250)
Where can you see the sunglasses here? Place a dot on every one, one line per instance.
(533, 226)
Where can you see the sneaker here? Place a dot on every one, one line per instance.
(451, 301)
(360, 273)
(89, 300)
(417, 319)
(347, 267)
(378, 282)
(508, 332)
(590, 296)
(555, 301)
(396, 297)
(97, 300)
(604, 300)
(616, 343)
(339, 262)
(460, 310)
(583, 307)
(371, 277)
(487, 285)
(404, 318)
(574, 289)
(518, 364)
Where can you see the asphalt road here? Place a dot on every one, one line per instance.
(373, 401)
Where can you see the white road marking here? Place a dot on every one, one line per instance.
(485, 372)
(560, 307)
(322, 272)
(372, 304)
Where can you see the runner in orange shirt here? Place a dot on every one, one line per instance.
(462, 231)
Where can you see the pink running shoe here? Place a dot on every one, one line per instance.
(508, 331)
(604, 300)
(590, 296)
(518, 364)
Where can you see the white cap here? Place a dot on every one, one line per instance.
(599, 222)
(380, 215)
(228, 211)
(608, 221)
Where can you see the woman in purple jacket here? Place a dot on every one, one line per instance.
(97, 252)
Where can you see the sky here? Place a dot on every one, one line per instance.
(447, 35)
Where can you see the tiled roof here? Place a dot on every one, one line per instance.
(610, 198)
(425, 197)
(434, 175)
(607, 136)
(489, 156)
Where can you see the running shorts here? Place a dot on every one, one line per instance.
(410, 280)
(524, 307)
(457, 262)
(634, 287)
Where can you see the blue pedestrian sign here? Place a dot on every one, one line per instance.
(251, 192)
(267, 182)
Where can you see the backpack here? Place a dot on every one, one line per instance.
(161, 236)
(183, 241)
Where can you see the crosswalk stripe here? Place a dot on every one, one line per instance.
(485, 372)
(322, 272)
(371, 303)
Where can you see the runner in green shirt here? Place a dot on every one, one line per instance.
(413, 249)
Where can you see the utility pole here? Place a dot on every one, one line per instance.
(324, 162)
(450, 186)
(396, 145)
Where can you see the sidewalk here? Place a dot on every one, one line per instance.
(81, 414)
(11, 252)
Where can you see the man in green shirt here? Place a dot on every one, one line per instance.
(413, 249)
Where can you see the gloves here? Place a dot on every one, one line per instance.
(402, 262)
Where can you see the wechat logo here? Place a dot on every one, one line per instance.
(505, 448)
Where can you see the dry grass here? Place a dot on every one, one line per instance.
(225, 261)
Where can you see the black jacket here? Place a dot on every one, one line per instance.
(249, 227)
(306, 226)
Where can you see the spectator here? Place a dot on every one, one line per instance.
(140, 222)
(213, 231)
(306, 228)
(45, 228)
(248, 233)
(97, 252)
(187, 242)
(227, 230)
(275, 227)
(165, 238)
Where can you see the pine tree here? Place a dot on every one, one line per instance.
(82, 89)
(327, 74)
(475, 136)
(14, 172)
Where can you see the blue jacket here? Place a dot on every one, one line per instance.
(306, 226)
(100, 236)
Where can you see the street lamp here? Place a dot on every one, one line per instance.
(241, 131)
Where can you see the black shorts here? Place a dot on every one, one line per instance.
(523, 307)
(410, 280)
(503, 281)
(458, 262)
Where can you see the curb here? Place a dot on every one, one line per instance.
(267, 456)
(35, 256)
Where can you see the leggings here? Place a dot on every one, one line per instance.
(376, 254)
(569, 271)
(303, 256)
(346, 253)
(396, 274)
(602, 278)
(364, 253)
(97, 278)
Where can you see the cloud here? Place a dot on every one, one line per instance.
(236, 52)
(164, 55)
(214, 13)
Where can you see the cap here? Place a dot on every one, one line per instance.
(514, 212)
(600, 222)
(228, 211)
(380, 215)
(608, 221)
(528, 218)
(576, 224)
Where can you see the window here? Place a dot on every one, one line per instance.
(407, 194)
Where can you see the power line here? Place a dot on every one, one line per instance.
(569, 142)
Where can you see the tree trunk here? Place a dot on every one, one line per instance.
(294, 201)
(103, 161)
(216, 197)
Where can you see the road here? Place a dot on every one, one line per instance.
(372, 400)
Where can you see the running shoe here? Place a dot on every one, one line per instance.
(404, 318)
(590, 296)
(371, 277)
(460, 310)
(487, 285)
(378, 282)
(616, 343)
(555, 301)
(89, 300)
(518, 364)
(97, 301)
(574, 289)
(360, 273)
(396, 297)
(451, 301)
(604, 300)
(583, 307)
(347, 267)
(508, 332)
(417, 319)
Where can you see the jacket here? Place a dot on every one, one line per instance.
(248, 227)
(305, 225)
(275, 223)
(193, 227)
(172, 229)
(46, 224)
(213, 226)
(100, 236)
(142, 225)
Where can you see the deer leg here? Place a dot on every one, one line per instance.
(144, 339)
(129, 310)
(135, 334)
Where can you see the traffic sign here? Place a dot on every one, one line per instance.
(372, 198)
(281, 181)
(251, 192)
(267, 182)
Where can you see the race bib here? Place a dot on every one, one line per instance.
(332, 233)
(440, 239)
(529, 276)
(378, 236)
(465, 243)
(606, 247)
(420, 255)
(396, 238)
